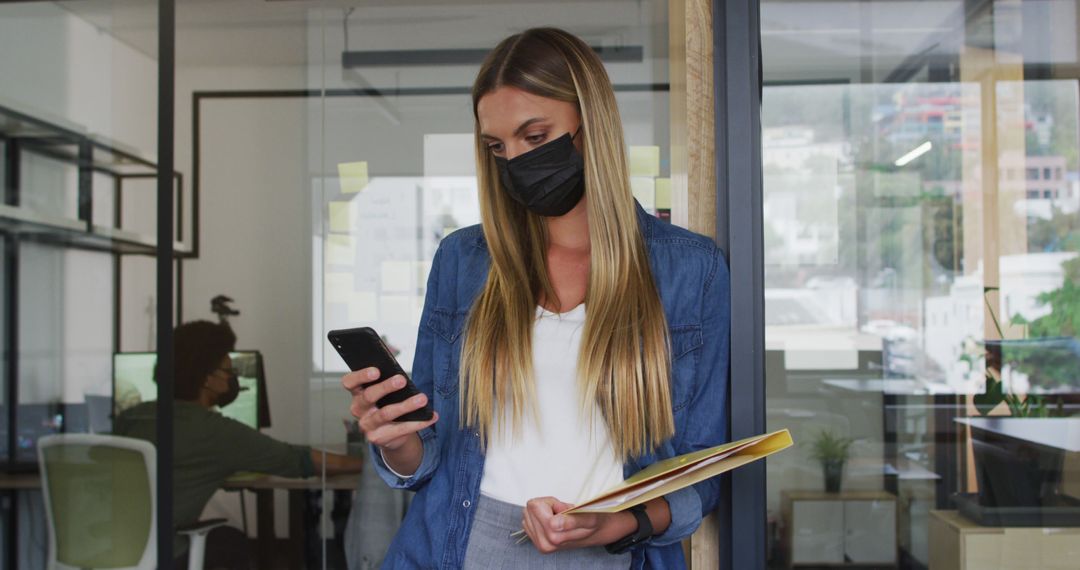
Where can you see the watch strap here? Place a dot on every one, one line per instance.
(643, 532)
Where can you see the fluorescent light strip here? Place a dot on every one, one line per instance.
(915, 153)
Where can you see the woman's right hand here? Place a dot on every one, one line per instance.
(377, 423)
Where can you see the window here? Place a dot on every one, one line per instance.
(870, 362)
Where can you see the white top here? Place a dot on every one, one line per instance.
(561, 454)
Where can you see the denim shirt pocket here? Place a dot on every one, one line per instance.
(686, 345)
(447, 326)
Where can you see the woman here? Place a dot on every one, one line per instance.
(567, 342)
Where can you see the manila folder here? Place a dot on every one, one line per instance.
(670, 475)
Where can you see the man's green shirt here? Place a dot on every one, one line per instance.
(208, 448)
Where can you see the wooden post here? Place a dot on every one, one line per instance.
(693, 172)
(992, 228)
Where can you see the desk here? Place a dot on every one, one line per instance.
(20, 482)
(893, 386)
(260, 482)
(263, 486)
(32, 481)
(299, 525)
(1056, 433)
(959, 544)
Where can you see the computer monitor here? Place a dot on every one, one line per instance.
(133, 383)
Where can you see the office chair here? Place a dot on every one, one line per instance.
(101, 504)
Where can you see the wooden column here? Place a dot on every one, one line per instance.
(993, 141)
(693, 172)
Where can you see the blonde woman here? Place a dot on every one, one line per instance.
(566, 342)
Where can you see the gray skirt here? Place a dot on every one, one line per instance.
(491, 547)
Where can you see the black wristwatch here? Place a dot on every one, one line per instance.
(643, 532)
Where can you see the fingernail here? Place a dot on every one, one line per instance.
(373, 374)
(399, 382)
(419, 399)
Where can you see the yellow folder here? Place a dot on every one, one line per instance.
(670, 475)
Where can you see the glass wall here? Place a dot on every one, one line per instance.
(397, 174)
(921, 197)
(322, 151)
(78, 110)
(327, 169)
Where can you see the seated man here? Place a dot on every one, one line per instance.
(208, 448)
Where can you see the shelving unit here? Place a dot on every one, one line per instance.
(28, 132)
(847, 529)
(56, 139)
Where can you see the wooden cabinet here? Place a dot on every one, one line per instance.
(957, 543)
(853, 528)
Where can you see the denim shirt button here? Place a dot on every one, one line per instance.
(467, 503)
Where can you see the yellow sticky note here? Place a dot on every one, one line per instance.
(353, 176)
(340, 250)
(663, 193)
(363, 307)
(644, 190)
(644, 161)
(338, 287)
(340, 216)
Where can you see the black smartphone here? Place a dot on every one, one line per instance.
(362, 348)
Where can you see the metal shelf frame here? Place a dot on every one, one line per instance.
(22, 133)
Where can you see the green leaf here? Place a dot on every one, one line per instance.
(991, 396)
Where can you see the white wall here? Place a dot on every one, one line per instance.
(59, 67)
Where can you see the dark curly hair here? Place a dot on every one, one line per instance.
(198, 348)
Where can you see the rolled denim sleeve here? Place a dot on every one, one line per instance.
(427, 464)
(685, 507)
(423, 377)
(706, 419)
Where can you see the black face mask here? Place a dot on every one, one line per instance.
(231, 392)
(548, 180)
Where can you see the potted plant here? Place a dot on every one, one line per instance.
(832, 452)
(1012, 471)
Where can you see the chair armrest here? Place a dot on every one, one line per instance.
(200, 527)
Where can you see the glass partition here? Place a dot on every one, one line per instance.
(398, 175)
(78, 129)
(324, 169)
(921, 192)
(316, 172)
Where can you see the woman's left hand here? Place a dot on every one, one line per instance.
(550, 531)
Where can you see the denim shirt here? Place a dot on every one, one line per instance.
(692, 278)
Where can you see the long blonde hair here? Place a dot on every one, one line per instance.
(624, 364)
